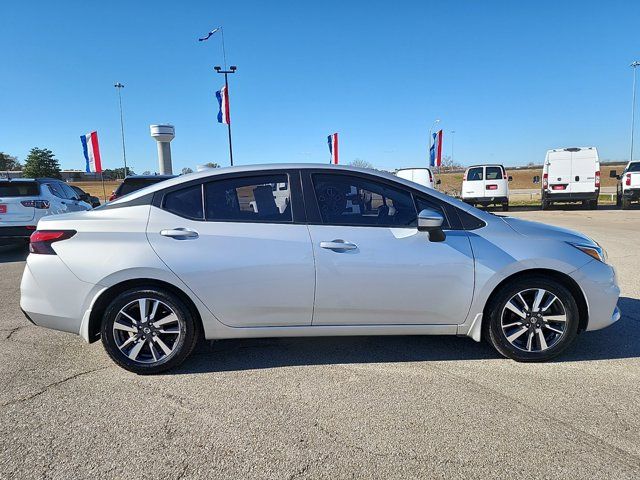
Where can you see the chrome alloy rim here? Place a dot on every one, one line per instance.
(533, 320)
(147, 330)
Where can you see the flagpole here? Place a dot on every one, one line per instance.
(232, 69)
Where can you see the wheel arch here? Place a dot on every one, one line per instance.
(563, 278)
(102, 302)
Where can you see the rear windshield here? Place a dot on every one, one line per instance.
(474, 174)
(133, 184)
(494, 173)
(19, 189)
(634, 167)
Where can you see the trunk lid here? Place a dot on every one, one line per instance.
(12, 196)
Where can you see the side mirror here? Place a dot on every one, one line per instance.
(510, 178)
(431, 221)
(536, 179)
(438, 182)
(613, 174)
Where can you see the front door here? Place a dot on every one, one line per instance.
(374, 267)
(239, 251)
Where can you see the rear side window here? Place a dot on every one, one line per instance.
(265, 198)
(350, 200)
(19, 189)
(494, 173)
(186, 202)
(634, 167)
(474, 174)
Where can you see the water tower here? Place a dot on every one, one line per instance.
(163, 134)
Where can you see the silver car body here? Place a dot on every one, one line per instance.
(269, 280)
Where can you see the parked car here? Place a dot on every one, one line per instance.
(190, 257)
(628, 188)
(136, 182)
(486, 185)
(422, 176)
(85, 197)
(571, 175)
(24, 201)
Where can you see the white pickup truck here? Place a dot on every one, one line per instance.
(628, 189)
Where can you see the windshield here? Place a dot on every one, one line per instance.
(19, 189)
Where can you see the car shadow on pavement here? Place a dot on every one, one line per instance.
(618, 341)
(13, 253)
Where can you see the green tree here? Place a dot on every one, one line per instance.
(9, 163)
(358, 162)
(41, 162)
(116, 173)
(186, 170)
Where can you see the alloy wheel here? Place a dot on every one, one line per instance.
(147, 330)
(534, 320)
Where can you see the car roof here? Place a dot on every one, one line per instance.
(148, 177)
(257, 168)
(39, 180)
(486, 165)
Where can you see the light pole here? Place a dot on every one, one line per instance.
(634, 65)
(452, 134)
(119, 87)
(232, 69)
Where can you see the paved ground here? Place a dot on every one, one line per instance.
(396, 407)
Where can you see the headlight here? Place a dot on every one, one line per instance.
(595, 251)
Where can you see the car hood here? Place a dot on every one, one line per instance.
(542, 230)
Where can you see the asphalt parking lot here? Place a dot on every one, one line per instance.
(392, 407)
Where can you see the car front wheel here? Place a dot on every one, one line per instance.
(532, 319)
(148, 330)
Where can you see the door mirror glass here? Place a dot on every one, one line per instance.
(510, 178)
(613, 174)
(536, 179)
(431, 221)
(438, 182)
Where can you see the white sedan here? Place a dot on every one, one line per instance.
(304, 250)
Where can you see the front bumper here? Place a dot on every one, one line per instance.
(598, 283)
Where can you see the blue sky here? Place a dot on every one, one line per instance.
(513, 79)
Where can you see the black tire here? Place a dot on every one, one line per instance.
(181, 348)
(593, 205)
(493, 331)
(545, 205)
(618, 199)
(505, 207)
(625, 204)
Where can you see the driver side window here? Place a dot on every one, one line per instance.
(352, 200)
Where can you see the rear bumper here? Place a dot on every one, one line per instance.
(560, 196)
(17, 234)
(485, 200)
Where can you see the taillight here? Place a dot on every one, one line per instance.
(41, 204)
(545, 180)
(464, 177)
(113, 196)
(627, 181)
(597, 179)
(41, 240)
(430, 176)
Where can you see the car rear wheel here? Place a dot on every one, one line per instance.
(148, 330)
(532, 319)
(625, 203)
(505, 207)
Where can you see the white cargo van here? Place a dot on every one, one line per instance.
(571, 175)
(486, 185)
(423, 176)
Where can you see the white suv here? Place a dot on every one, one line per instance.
(24, 201)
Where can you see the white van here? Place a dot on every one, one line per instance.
(486, 185)
(422, 176)
(571, 175)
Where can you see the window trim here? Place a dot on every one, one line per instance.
(298, 210)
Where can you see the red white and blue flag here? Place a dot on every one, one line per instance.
(91, 152)
(435, 151)
(223, 103)
(333, 147)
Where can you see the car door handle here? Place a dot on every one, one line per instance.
(338, 245)
(179, 233)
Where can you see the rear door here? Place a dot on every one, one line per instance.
(495, 184)
(473, 184)
(584, 165)
(16, 201)
(559, 171)
(249, 261)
